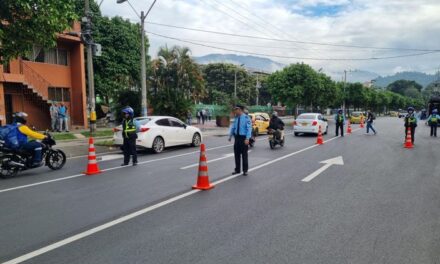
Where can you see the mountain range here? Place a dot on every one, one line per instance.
(268, 65)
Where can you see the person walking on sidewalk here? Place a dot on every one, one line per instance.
(241, 129)
(370, 119)
(198, 117)
(411, 122)
(433, 120)
(340, 121)
(130, 127)
(53, 110)
(189, 117)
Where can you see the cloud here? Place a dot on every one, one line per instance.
(389, 23)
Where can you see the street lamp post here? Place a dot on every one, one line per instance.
(142, 16)
(90, 78)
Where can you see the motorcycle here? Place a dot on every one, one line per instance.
(12, 161)
(275, 138)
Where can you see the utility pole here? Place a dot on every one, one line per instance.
(235, 84)
(258, 86)
(345, 83)
(143, 68)
(90, 77)
(142, 16)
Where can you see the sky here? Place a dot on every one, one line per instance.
(404, 26)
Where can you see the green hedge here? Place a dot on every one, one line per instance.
(221, 110)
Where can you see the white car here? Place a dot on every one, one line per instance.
(309, 123)
(158, 132)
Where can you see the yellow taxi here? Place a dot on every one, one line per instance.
(260, 122)
(356, 117)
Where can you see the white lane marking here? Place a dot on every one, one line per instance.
(210, 161)
(109, 157)
(92, 231)
(328, 163)
(98, 154)
(125, 218)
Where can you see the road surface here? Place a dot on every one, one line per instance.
(380, 206)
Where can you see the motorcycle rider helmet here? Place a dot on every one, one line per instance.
(275, 114)
(20, 117)
(340, 111)
(128, 110)
(435, 111)
(410, 109)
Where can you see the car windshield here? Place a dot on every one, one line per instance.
(308, 117)
(356, 114)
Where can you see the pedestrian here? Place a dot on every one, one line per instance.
(203, 116)
(189, 117)
(130, 127)
(411, 122)
(340, 121)
(198, 117)
(370, 119)
(208, 113)
(433, 122)
(62, 116)
(53, 110)
(241, 130)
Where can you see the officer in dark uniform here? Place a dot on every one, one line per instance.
(241, 129)
(340, 121)
(129, 129)
(411, 122)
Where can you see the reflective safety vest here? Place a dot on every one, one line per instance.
(434, 119)
(128, 127)
(340, 119)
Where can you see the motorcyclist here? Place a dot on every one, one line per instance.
(411, 122)
(35, 147)
(277, 125)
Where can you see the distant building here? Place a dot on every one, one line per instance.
(31, 84)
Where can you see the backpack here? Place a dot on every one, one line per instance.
(9, 134)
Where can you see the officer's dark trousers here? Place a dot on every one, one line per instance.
(433, 130)
(340, 126)
(413, 133)
(129, 148)
(240, 153)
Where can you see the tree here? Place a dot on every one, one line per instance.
(406, 88)
(219, 82)
(25, 23)
(177, 82)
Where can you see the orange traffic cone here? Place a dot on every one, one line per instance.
(408, 141)
(92, 165)
(203, 178)
(349, 127)
(362, 122)
(319, 140)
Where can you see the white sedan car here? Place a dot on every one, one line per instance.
(309, 123)
(158, 132)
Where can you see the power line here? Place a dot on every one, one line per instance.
(291, 41)
(295, 57)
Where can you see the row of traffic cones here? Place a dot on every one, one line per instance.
(320, 139)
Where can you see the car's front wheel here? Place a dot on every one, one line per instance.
(158, 145)
(196, 140)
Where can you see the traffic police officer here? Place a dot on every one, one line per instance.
(411, 122)
(433, 120)
(241, 129)
(129, 129)
(340, 120)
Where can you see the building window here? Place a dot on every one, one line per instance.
(52, 56)
(59, 94)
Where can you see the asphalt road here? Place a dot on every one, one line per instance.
(381, 206)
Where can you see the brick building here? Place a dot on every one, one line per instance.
(31, 84)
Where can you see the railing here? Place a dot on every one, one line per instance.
(34, 79)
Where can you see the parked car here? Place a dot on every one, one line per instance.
(356, 117)
(260, 122)
(309, 123)
(159, 132)
(402, 114)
